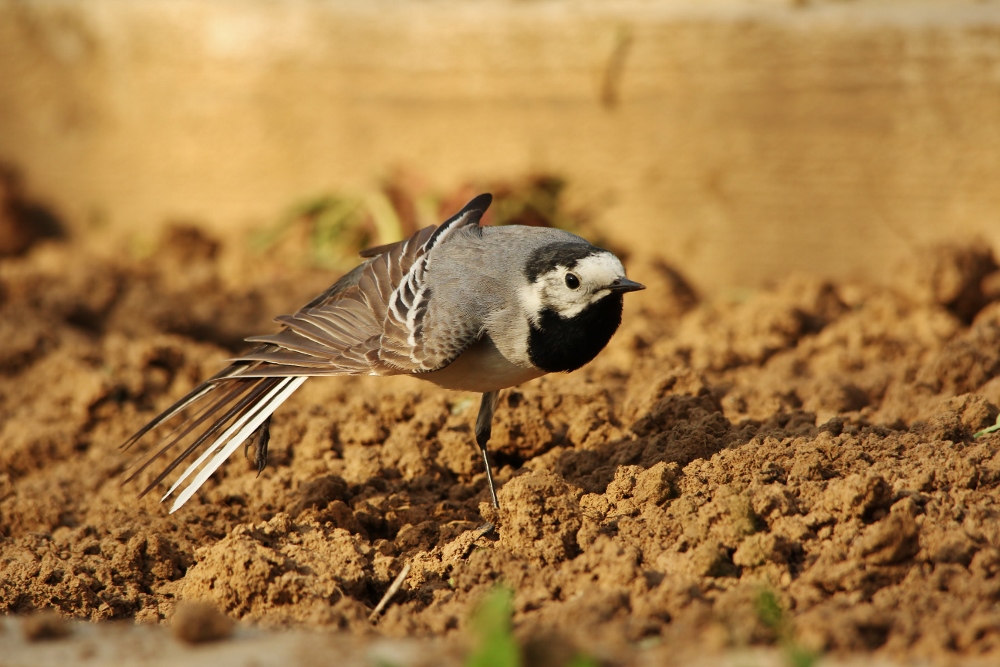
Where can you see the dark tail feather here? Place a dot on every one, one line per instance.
(256, 390)
(184, 403)
(184, 428)
(228, 401)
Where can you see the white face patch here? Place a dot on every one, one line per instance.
(531, 299)
(594, 273)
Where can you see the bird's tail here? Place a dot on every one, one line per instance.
(232, 407)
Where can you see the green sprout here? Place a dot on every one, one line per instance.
(493, 626)
(772, 616)
(770, 613)
(338, 227)
(494, 629)
(989, 429)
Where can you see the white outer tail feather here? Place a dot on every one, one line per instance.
(225, 436)
(246, 425)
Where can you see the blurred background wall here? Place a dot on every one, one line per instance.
(738, 140)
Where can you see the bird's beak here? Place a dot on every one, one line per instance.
(622, 285)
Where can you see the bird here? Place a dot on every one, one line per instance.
(462, 305)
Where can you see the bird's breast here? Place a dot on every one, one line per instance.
(481, 368)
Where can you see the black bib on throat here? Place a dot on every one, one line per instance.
(556, 344)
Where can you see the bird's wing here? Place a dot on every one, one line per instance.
(340, 332)
(377, 326)
(413, 340)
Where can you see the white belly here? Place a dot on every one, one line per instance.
(481, 368)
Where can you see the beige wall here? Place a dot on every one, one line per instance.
(739, 140)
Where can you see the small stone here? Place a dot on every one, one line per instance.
(45, 625)
(197, 622)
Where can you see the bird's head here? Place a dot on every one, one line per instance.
(573, 300)
(567, 278)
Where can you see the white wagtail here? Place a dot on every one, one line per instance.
(466, 307)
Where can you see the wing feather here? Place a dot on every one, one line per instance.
(290, 340)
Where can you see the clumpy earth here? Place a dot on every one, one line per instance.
(795, 469)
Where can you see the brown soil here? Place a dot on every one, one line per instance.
(808, 449)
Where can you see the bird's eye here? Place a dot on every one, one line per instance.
(572, 281)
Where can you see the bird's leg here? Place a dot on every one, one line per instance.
(259, 440)
(484, 427)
